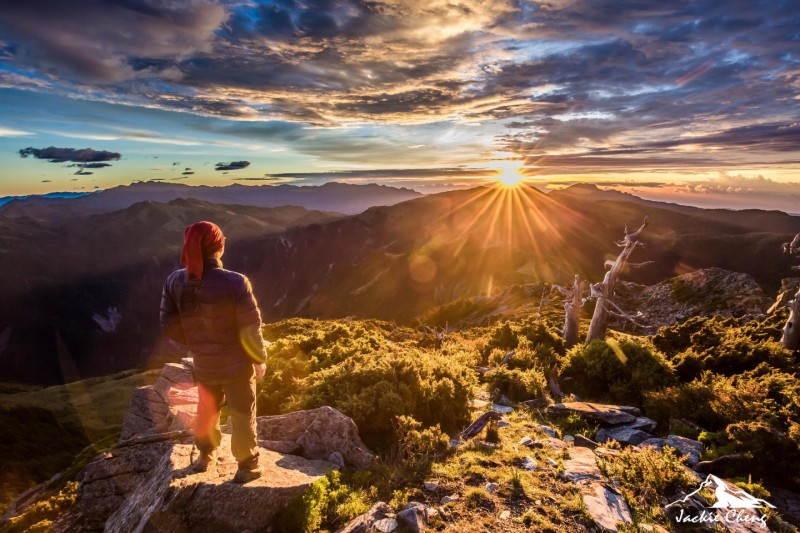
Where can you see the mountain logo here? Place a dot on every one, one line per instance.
(732, 504)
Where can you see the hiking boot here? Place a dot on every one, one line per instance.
(245, 474)
(203, 460)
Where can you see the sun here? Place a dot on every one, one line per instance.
(510, 177)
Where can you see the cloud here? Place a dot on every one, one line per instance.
(10, 132)
(61, 155)
(581, 86)
(376, 174)
(90, 165)
(233, 165)
(187, 173)
(84, 39)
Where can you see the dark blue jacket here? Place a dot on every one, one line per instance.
(217, 318)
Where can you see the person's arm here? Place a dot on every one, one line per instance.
(248, 318)
(170, 318)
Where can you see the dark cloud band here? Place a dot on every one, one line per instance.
(63, 155)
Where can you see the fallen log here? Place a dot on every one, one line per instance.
(481, 422)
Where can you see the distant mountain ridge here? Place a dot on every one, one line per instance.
(337, 197)
(390, 262)
(6, 199)
(81, 297)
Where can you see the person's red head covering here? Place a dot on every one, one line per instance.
(200, 240)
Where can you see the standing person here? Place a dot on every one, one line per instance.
(212, 311)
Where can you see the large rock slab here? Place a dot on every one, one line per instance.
(170, 404)
(623, 435)
(319, 432)
(607, 508)
(581, 466)
(152, 487)
(609, 415)
(690, 449)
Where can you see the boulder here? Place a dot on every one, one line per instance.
(623, 435)
(708, 291)
(606, 507)
(609, 415)
(319, 432)
(643, 423)
(366, 522)
(152, 487)
(692, 449)
(414, 517)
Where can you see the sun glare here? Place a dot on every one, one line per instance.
(510, 177)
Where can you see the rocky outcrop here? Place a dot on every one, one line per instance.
(319, 433)
(146, 482)
(604, 504)
(708, 291)
(789, 287)
(596, 412)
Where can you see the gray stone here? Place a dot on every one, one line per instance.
(385, 525)
(692, 449)
(336, 458)
(448, 499)
(525, 441)
(643, 423)
(431, 486)
(623, 435)
(490, 488)
(320, 432)
(529, 464)
(504, 515)
(606, 508)
(414, 517)
(582, 441)
(581, 466)
(365, 522)
(609, 415)
(653, 442)
(503, 409)
(549, 431)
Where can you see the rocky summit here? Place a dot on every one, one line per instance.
(708, 291)
(146, 482)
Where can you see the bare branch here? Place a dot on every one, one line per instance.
(640, 265)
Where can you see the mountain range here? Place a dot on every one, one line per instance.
(80, 295)
(339, 197)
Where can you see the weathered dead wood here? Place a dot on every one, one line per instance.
(481, 422)
(573, 304)
(552, 380)
(603, 292)
(791, 331)
(507, 357)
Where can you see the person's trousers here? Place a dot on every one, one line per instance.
(240, 393)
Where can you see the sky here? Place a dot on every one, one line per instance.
(690, 101)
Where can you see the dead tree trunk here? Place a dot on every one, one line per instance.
(572, 311)
(791, 331)
(604, 291)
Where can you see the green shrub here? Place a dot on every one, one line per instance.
(456, 312)
(516, 384)
(418, 447)
(722, 345)
(374, 389)
(40, 515)
(327, 502)
(646, 476)
(615, 371)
